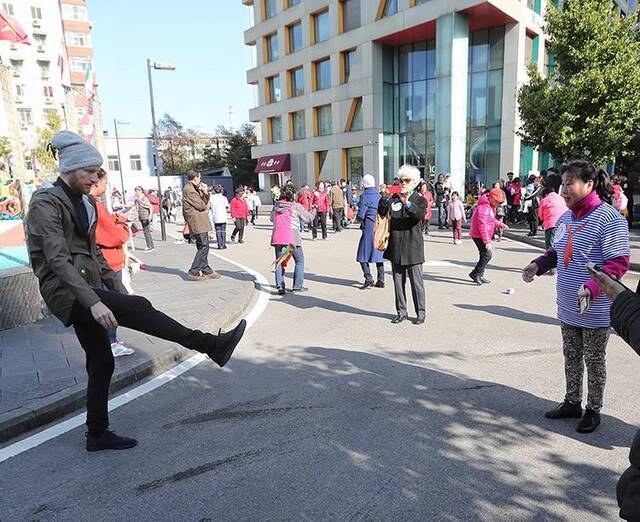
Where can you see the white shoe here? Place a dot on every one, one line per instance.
(120, 350)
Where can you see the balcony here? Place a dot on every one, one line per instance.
(41, 49)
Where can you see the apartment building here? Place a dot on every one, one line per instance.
(46, 77)
(353, 87)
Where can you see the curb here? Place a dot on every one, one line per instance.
(22, 419)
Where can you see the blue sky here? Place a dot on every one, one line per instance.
(202, 38)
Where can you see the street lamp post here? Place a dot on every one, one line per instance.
(115, 126)
(161, 66)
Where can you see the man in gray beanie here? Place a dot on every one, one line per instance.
(60, 227)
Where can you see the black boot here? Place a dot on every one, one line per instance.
(565, 410)
(589, 422)
(225, 343)
(367, 284)
(475, 279)
(109, 441)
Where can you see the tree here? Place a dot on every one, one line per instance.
(237, 156)
(589, 105)
(173, 146)
(42, 154)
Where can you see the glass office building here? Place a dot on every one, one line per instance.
(377, 84)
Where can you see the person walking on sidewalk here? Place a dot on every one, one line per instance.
(60, 228)
(592, 232)
(552, 206)
(112, 234)
(320, 202)
(218, 213)
(425, 192)
(483, 225)
(145, 209)
(255, 206)
(442, 202)
(406, 244)
(239, 214)
(337, 206)
(532, 203)
(456, 214)
(286, 217)
(195, 209)
(367, 212)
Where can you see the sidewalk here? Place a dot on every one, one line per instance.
(519, 233)
(42, 375)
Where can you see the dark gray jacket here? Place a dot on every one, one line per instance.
(64, 258)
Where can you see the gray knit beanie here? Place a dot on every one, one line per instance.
(74, 152)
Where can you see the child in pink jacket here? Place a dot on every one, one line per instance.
(483, 225)
(456, 217)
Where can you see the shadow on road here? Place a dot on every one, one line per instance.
(511, 313)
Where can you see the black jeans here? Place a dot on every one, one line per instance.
(485, 257)
(443, 214)
(533, 221)
(338, 213)
(320, 219)
(201, 260)
(238, 230)
(367, 272)
(254, 215)
(147, 233)
(131, 311)
(221, 235)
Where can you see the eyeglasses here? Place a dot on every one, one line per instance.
(405, 180)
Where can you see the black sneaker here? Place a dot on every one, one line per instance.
(226, 343)
(398, 319)
(484, 281)
(367, 284)
(475, 279)
(109, 441)
(589, 422)
(420, 319)
(379, 284)
(565, 410)
(281, 291)
(298, 290)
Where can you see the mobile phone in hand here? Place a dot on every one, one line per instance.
(595, 269)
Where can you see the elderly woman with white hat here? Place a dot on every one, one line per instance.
(367, 212)
(406, 246)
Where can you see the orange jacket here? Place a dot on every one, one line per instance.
(111, 235)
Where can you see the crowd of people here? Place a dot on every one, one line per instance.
(78, 252)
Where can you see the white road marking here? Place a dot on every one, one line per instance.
(162, 379)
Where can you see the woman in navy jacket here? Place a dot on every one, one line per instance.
(367, 212)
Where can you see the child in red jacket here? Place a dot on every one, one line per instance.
(239, 214)
(483, 225)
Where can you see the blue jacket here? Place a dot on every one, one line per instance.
(367, 211)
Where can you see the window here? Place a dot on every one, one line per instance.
(349, 15)
(347, 60)
(319, 27)
(535, 5)
(274, 126)
(386, 8)
(531, 49)
(418, 2)
(294, 37)
(77, 39)
(47, 90)
(271, 46)
(486, 57)
(320, 157)
(354, 162)
(7, 7)
(40, 39)
(296, 82)
(291, 3)
(44, 66)
(25, 116)
(49, 113)
(20, 89)
(269, 8)
(80, 112)
(322, 74)
(17, 64)
(36, 13)
(113, 163)
(273, 89)
(354, 120)
(136, 162)
(297, 129)
(79, 65)
(322, 124)
(74, 12)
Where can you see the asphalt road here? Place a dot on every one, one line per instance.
(329, 412)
